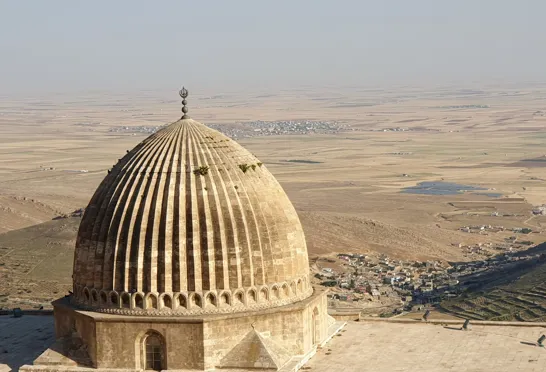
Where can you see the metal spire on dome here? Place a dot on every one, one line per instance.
(184, 93)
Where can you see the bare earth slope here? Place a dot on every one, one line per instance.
(337, 233)
(36, 263)
(19, 211)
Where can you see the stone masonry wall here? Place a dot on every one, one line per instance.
(290, 329)
(119, 344)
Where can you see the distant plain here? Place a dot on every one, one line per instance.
(346, 186)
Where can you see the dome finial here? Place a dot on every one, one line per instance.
(184, 93)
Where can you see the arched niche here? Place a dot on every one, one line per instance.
(225, 299)
(139, 301)
(210, 300)
(263, 295)
(151, 302)
(167, 302)
(238, 298)
(275, 294)
(251, 297)
(114, 299)
(182, 301)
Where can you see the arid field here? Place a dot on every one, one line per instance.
(346, 186)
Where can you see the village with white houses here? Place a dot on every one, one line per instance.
(382, 286)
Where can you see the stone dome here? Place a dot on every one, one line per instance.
(189, 222)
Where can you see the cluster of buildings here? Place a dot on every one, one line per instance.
(379, 282)
(278, 127)
(464, 106)
(491, 249)
(146, 129)
(397, 129)
(252, 128)
(484, 229)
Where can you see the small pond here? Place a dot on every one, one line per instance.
(303, 161)
(446, 188)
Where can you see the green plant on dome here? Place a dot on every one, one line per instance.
(244, 167)
(201, 171)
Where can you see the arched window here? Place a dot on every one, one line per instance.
(154, 354)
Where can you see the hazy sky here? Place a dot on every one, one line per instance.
(75, 45)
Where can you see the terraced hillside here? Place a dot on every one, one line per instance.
(527, 305)
(519, 295)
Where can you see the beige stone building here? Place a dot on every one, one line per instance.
(190, 256)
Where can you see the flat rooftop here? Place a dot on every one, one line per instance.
(396, 347)
(23, 339)
(378, 346)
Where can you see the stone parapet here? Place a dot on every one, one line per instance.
(455, 322)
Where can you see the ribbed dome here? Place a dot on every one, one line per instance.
(189, 222)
